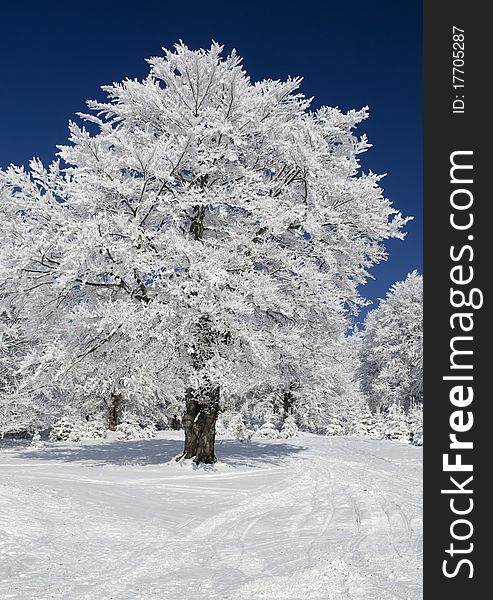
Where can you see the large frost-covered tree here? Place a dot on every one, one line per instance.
(202, 238)
(391, 351)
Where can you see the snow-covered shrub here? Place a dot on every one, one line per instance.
(358, 420)
(415, 420)
(221, 426)
(36, 440)
(289, 428)
(233, 424)
(268, 429)
(334, 425)
(95, 429)
(131, 429)
(238, 429)
(224, 419)
(395, 426)
(72, 428)
(369, 424)
(357, 427)
(65, 429)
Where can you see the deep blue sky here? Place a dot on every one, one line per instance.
(55, 55)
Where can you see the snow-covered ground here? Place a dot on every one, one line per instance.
(313, 518)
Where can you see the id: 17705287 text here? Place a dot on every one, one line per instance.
(458, 79)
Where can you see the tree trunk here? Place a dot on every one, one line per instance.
(114, 411)
(199, 423)
(197, 221)
(201, 406)
(287, 403)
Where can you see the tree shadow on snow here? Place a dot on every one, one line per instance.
(160, 451)
(253, 452)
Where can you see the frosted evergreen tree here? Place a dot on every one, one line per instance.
(130, 429)
(238, 429)
(395, 424)
(368, 423)
(335, 425)
(379, 429)
(415, 421)
(268, 428)
(360, 421)
(289, 428)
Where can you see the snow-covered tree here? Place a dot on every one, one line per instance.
(268, 428)
(395, 424)
(335, 423)
(415, 422)
(333, 401)
(14, 415)
(289, 428)
(131, 429)
(357, 421)
(391, 351)
(73, 428)
(238, 429)
(21, 409)
(370, 424)
(194, 242)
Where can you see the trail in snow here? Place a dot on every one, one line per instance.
(313, 518)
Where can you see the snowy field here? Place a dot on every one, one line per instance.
(313, 518)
